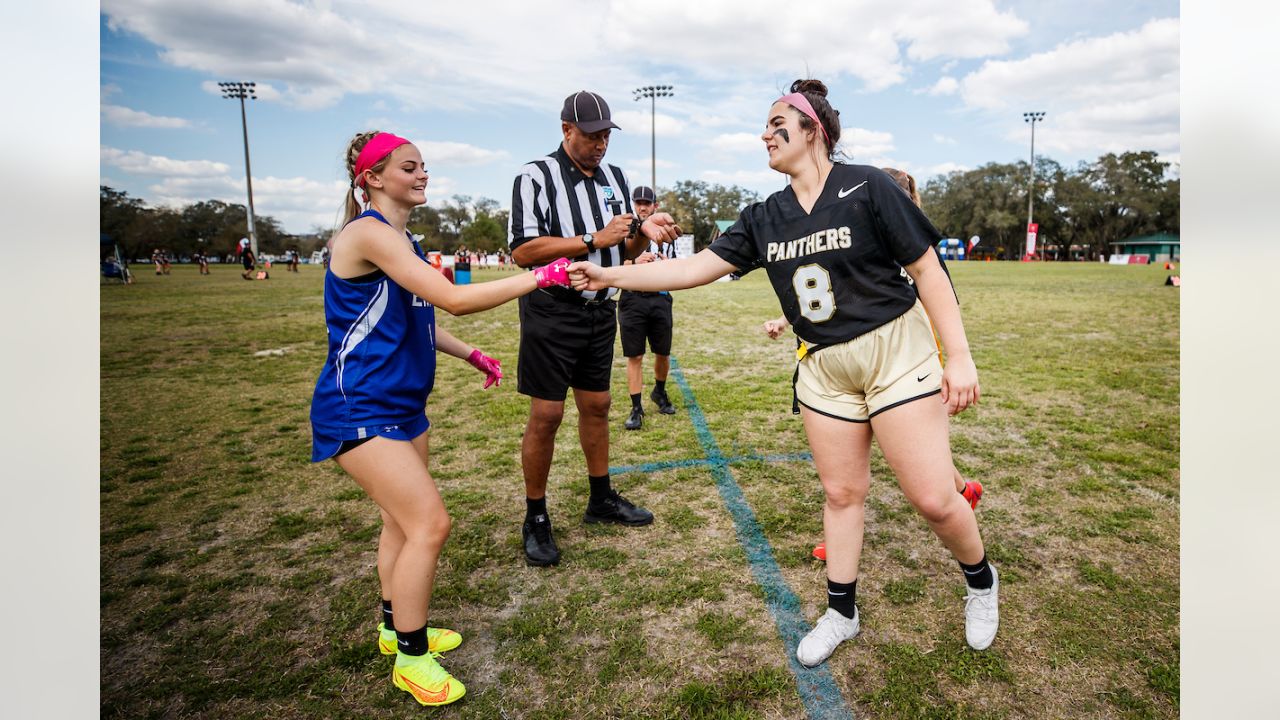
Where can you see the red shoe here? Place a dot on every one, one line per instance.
(820, 551)
(972, 492)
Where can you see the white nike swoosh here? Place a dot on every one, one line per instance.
(845, 193)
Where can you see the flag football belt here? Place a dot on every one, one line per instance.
(803, 350)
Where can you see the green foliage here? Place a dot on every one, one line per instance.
(1111, 199)
(697, 205)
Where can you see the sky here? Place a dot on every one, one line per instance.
(930, 86)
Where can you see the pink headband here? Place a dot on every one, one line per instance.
(801, 103)
(378, 147)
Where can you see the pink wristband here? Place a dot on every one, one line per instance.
(555, 272)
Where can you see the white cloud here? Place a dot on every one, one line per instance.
(637, 122)
(140, 163)
(109, 89)
(857, 142)
(318, 53)
(296, 203)
(943, 139)
(740, 143)
(752, 179)
(944, 86)
(455, 154)
(127, 117)
(1118, 92)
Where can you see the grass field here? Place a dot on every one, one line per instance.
(238, 579)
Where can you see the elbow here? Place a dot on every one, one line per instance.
(522, 257)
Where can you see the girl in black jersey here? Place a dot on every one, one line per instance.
(834, 244)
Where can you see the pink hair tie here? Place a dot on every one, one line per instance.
(801, 103)
(378, 147)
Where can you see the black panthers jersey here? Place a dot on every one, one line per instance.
(838, 270)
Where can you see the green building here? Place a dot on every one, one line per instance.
(1162, 247)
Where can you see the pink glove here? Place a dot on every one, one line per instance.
(555, 272)
(487, 365)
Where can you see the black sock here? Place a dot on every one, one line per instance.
(600, 487)
(660, 387)
(635, 400)
(534, 508)
(386, 615)
(978, 576)
(413, 642)
(842, 597)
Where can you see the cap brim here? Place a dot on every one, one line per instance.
(595, 126)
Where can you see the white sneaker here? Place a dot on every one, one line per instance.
(982, 614)
(831, 630)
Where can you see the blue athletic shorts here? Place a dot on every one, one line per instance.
(326, 441)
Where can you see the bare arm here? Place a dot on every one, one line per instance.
(450, 345)
(679, 274)
(382, 247)
(960, 376)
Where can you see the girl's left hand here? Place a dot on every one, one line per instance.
(491, 367)
(960, 384)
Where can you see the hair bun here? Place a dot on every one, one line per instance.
(810, 86)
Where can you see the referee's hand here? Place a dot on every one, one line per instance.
(615, 231)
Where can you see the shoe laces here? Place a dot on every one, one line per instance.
(984, 602)
(541, 530)
(830, 629)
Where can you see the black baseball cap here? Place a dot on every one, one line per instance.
(588, 111)
(643, 194)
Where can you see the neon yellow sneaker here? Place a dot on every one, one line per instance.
(423, 678)
(438, 640)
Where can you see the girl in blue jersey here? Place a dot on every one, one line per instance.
(834, 244)
(368, 411)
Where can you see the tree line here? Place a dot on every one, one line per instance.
(1080, 211)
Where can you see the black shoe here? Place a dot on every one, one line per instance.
(539, 546)
(664, 403)
(636, 420)
(616, 509)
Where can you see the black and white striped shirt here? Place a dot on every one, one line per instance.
(553, 198)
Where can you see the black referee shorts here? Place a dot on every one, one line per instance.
(645, 317)
(564, 344)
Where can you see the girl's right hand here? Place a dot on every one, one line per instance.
(586, 276)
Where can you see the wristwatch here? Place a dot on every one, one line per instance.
(590, 241)
(635, 226)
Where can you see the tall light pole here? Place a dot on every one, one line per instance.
(1033, 118)
(241, 90)
(653, 92)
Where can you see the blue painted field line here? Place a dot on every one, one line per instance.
(818, 690)
(698, 462)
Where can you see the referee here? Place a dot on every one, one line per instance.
(571, 204)
(646, 317)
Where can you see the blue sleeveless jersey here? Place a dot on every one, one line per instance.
(381, 363)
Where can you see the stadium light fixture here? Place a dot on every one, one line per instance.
(653, 92)
(240, 91)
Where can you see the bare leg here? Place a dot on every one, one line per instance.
(914, 438)
(661, 368)
(593, 429)
(539, 443)
(635, 366)
(393, 474)
(841, 453)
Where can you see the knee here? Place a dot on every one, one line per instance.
(433, 532)
(596, 408)
(545, 421)
(937, 508)
(842, 496)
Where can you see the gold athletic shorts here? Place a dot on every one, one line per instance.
(891, 365)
